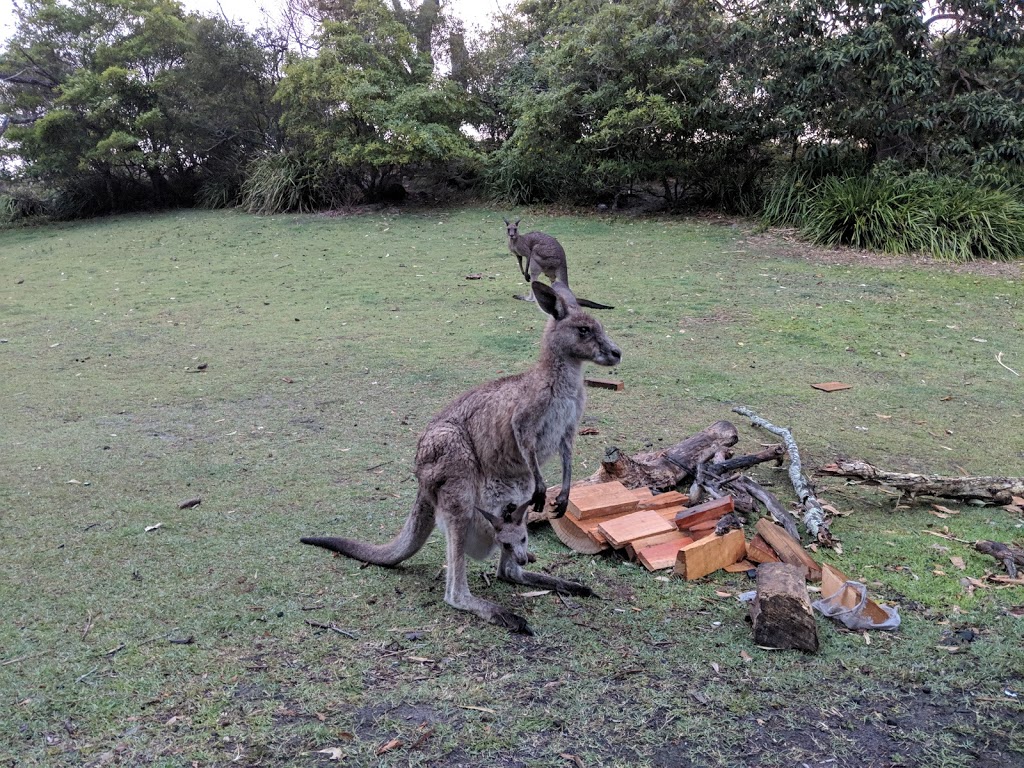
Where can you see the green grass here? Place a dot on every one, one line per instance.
(329, 342)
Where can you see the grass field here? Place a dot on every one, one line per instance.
(280, 369)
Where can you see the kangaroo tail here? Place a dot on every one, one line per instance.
(592, 304)
(418, 527)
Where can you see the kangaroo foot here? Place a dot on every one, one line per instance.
(575, 588)
(523, 298)
(512, 622)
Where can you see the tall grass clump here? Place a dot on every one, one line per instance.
(963, 222)
(943, 216)
(286, 183)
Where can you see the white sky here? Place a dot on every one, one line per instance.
(473, 12)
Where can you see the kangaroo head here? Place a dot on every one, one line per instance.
(510, 530)
(572, 333)
(512, 229)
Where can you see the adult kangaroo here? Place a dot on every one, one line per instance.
(478, 462)
(541, 254)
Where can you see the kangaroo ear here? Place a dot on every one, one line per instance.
(517, 222)
(520, 512)
(549, 301)
(507, 222)
(494, 520)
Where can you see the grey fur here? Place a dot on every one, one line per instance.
(484, 452)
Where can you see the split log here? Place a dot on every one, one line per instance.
(787, 548)
(814, 515)
(990, 490)
(709, 554)
(781, 610)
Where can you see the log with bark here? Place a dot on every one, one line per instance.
(1010, 556)
(989, 490)
(702, 465)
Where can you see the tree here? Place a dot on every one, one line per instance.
(121, 103)
(603, 98)
(368, 109)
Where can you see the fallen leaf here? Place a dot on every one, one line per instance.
(723, 593)
(940, 515)
(537, 593)
(475, 276)
(590, 431)
(419, 659)
(391, 745)
(476, 709)
(945, 510)
(950, 648)
(575, 759)
(958, 562)
(153, 527)
(714, 666)
(746, 656)
(883, 417)
(867, 639)
(333, 753)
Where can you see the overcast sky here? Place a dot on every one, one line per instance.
(472, 12)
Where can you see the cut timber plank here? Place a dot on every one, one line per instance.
(660, 556)
(832, 386)
(781, 610)
(614, 384)
(621, 530)
(833, 580)
(759, 551)
(709, 510)
(787, 548)
(659, 538)
(643, 494)
(600, 500)
(709, 554)
(663, 500)
(669, 513)
(741, 567)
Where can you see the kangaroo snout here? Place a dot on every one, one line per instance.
(609, 356)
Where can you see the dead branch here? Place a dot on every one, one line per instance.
(814, 516)
(998, 491)
(1010, 556)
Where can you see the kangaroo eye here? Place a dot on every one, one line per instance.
(523, 540)
(583, 330)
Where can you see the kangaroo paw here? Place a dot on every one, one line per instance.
(512, 622)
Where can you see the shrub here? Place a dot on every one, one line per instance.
(286, 182)
(862, 211)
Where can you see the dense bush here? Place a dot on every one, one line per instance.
(942, 216)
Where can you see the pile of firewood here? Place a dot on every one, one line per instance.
(662, 531)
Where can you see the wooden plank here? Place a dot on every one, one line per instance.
(832, 386)
(621, 530)
(643, 494)
(703, 525)
(741, 567)
(709, 510)
(600, 500)
(787, 548)
(613, 384)
(657, 557)
(709, 554)
(833, 580)
(663, 500)
(659, 538)
(781, 610)
(759, 551)
(669, 513)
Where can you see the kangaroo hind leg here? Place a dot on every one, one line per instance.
(457, 511)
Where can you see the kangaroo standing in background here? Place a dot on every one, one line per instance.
(484, 452)
(540, 254)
